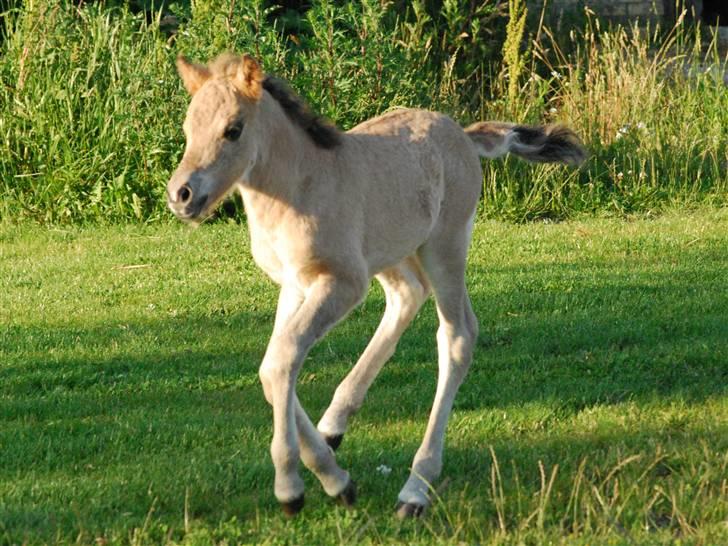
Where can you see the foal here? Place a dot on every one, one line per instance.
(394, 198)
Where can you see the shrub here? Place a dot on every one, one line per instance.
(91, 108)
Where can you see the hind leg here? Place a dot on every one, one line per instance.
(405, 288)
(443, 259)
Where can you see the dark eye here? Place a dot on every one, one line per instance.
(233, 131)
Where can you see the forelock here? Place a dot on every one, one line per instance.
(225, 65)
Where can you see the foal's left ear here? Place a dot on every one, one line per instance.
(249, 78)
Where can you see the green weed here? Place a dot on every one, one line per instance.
(91, 108)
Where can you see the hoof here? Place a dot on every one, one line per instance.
(406, 510)
(347, 497)
(293, 507)
(334, 441)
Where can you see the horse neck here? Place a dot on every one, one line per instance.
(286, 155)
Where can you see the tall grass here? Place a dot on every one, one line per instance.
(651, 105)
(91, 108)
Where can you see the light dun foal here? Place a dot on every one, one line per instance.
(394, 198)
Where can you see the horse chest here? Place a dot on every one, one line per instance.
(279, 253)
(266, 258)
(263, 216)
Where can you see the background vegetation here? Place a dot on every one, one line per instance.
(91, 107)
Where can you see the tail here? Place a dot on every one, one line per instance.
(543, 144)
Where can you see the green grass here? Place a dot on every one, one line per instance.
(596, 411)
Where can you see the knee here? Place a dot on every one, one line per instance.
(277, 377)
(267, 387)
(462, 351)
(472, 325)
(276, 373)
(459, 343)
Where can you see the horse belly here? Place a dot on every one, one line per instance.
(403, 212)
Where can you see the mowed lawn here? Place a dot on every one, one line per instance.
(595, 412)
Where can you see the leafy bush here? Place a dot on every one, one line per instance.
(91, 108)
(90, 115)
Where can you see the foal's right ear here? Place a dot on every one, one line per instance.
(193, 75)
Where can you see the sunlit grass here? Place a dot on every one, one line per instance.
(595, 411)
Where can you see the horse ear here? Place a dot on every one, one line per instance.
(193, 75)
(249, 78)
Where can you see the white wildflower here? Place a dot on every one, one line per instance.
(623, 130)
(384, 470)
(555, 74)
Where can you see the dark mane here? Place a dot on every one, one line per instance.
(322, 132)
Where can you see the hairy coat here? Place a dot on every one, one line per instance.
(394, 198)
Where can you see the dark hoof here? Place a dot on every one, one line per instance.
(406, 510)
(347, 497)
(334, 441)
(291, 508)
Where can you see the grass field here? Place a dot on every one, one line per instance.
(596, 411)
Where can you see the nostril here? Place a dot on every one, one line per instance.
(184, 194)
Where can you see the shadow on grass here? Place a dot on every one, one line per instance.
(589, 344)
(101, 424)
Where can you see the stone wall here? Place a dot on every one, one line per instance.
(613, 9)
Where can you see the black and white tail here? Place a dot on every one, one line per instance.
(543, 144)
